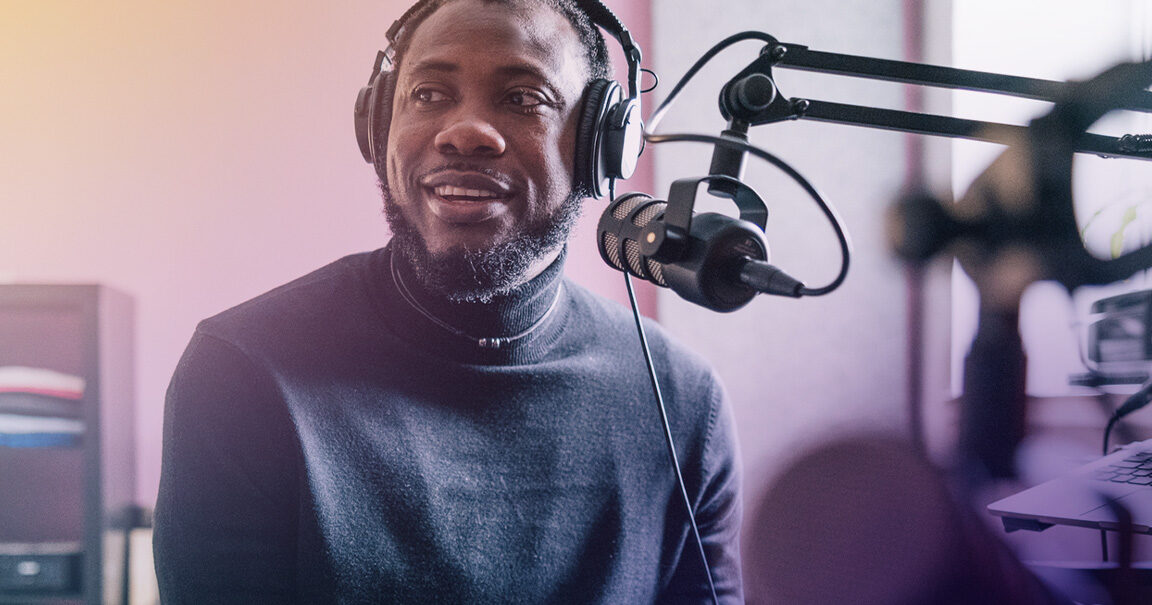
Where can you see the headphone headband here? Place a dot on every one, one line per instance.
(597, 12)
(609, 22)
(610, 133)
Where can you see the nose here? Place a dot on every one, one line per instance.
(470, 135)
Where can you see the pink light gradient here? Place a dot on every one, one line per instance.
(195, 155)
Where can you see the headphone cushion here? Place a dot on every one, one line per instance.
(593, 113)
(381, 119)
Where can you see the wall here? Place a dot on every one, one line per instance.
(801, 371)
(1105, 190)
(195, 155)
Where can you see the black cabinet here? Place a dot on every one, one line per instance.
(67, 456)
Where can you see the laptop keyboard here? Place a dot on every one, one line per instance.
(1135, 469)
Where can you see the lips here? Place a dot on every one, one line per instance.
(466, 197)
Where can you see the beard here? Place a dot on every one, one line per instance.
(466, 275)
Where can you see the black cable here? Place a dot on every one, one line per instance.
(658, 115)
(829, 212)
(1135, 402)
(668, 437)
(1108, 432)
(655, 80)
(1104, 545)
(1104, 532)
(664, 422)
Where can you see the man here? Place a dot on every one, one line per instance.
(447, 419)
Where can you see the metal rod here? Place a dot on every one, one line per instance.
(906, 121)
(799, 57)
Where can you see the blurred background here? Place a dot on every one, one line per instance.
(194, 155)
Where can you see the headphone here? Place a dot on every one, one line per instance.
(610, 134)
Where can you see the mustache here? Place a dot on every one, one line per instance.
(459, 166)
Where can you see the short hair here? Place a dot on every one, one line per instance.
(595, 50)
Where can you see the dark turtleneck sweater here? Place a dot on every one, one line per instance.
(328, 442)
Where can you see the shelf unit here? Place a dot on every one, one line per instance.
(64, 510)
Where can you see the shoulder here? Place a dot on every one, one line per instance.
(610, 320)
(321, 292)
(607, 331)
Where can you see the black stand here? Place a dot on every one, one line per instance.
(992, 416)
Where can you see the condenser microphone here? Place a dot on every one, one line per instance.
(721, 263)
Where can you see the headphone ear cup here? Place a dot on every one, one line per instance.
(623, 139)
(362, 117)
(589, 174)
(372, 115)
(382, 119)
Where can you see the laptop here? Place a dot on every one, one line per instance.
(1080, 496)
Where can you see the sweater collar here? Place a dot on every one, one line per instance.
(511, 328)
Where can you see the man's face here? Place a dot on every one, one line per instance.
(483, 128)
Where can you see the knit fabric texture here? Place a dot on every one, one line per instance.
(327, 443)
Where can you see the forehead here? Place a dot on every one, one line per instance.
(497, 36)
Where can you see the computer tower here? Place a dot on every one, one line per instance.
(67, 435)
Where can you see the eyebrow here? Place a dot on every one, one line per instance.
(444, 66)
(510, 70)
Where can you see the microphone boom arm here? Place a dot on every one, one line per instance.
(799, 57)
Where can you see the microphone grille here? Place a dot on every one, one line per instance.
(650, 212)
(632, 253)
(647, 210)
(621, 209)
(611, 247)
(655, 269)
(611, 243)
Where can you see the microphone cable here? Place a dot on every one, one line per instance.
(829, 213)
(668, 440)
(710, 54)
(1136, 401)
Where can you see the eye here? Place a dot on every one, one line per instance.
(427, 95)
(527, 99)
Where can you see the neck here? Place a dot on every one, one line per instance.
(503, 319)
